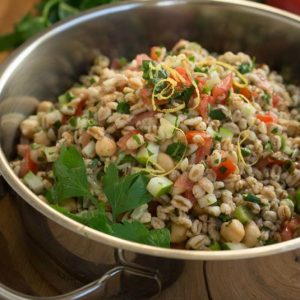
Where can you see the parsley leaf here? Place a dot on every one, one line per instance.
(186, 94)
(123, 107)
(245, 68)
(153, 73)
(252, 198)
(176, 150)
(70, 177)
(137, 232)
(217, 114)
(124, 193)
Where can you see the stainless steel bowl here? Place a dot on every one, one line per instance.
(47, 65)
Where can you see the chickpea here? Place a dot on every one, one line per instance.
(106, 147)
(44, 106)
(135, 141)
(29, 127)
(178, 233)
(41, 138)
(165, 161)
(252, 234)
(233, 231)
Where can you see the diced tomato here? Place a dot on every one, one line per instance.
(140, 58)
(221, 91)
(184, 74)
(27, 164)
(123, 140)
(146, 96)
(155, 53)
(203, 106)
(224, 169)
(245, 92)
(291, 229)
(79, 108)
(189, 195)
(269, 162)
(142, 116)
(183, 183)
(23, 149)
(204, 148)
(201, 82)
(276, 99)
(267, 118)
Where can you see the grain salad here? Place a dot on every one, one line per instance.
(180, 148)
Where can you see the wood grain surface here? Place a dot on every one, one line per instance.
(29, 270)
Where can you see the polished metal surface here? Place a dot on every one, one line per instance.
(46, 66)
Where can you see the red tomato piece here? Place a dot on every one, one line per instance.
(146, 96)
(290, 229)
(123, 140)
(245, 92)
(269, 162)
(27, 164)
(140, 58)
(184, 74)
(224, 169)
(155, 53)
(203, 106)
(221, 91)
(267, 118)
(276, 99)
(79, 108)
(189, 195)
(142, 116)
(183, 183)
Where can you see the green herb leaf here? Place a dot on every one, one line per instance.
(252, 198)
(186, 94)
(245, 68)
(70, 177)
(124, 193)
(153, 73)
(123, 107)
(245, 151)
(95, 219)
(176, 150)
(137, 232)
(217, 114)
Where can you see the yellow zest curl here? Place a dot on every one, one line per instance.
(244, 80)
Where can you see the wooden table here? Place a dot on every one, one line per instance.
(30, 271)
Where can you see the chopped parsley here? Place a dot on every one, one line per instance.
(123, 107)
(252, 198)
(176, 150)
(186, 94)
(245, 68)
(153, 72)
(66, 98)
(217, 114)
(223, 169)
(201, 69)
(245, 151)
(123, 194)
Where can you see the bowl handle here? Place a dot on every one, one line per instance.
(110, 284)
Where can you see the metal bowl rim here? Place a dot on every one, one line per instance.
(32, 199)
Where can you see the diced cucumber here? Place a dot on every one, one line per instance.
(207, 200)
(234, 246)
(166, 129)
(159, 186)
(225, 133)
(172, 119)
(284, 147)
(51, 154)
(34, 182)
(147, 153)
(242, 214)
(89, 149)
